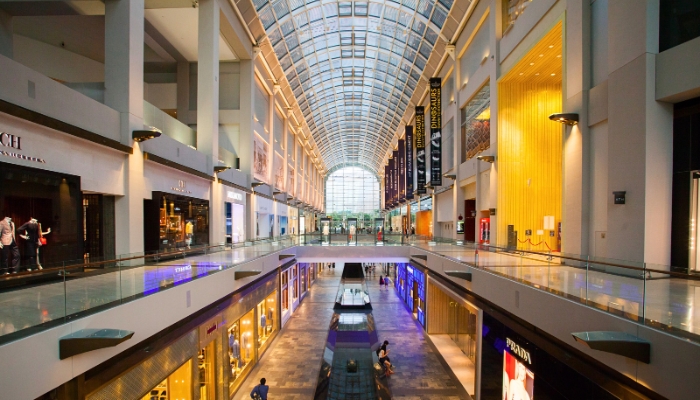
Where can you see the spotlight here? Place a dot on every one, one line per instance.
(146, 134)
(488, 159)
(565, 118)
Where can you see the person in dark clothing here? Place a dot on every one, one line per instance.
(381, 281)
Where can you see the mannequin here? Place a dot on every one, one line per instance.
(326, 230)
(8, 246)
(234, 347)
(31, 236)
(352, 231)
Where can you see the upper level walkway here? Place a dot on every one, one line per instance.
(651, 296)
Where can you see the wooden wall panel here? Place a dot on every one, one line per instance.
(438, 304)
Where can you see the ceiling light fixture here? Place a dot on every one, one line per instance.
(488, 159)
(565, 118)
(146, 134)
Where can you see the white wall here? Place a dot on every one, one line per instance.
(161, 95)
(600, 193)
(444, 207)
(475, 53)
(101, 169)
(599, 41)
(56, 100)
(56, 62)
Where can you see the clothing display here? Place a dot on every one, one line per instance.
(9, 247)
(31, 231)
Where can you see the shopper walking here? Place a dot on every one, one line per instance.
(260, 391)
(381, 281)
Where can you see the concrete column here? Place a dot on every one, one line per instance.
(208, 81)
(641, 138)
(246, 139)
(183, 92)
(494, 71)
(124, 24)
(6, 40)
(457, 192)
(576, 156)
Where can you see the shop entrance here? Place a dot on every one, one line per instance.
(207, 370)
(694, 215)
(461, 327)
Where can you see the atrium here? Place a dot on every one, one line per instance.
(395, 199)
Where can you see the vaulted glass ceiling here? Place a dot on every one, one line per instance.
(353, 67)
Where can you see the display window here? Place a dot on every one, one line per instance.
(177, 386)
(183, 222)
(206, 363)
(303, 280)
(285, 291)
(267, 323)
(40, 204)
(241, 353)
(518, 380)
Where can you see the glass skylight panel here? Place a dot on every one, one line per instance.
(425, 7)
(439, 16)
(281, 8)
(330, 10)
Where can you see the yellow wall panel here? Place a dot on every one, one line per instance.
(529, 160)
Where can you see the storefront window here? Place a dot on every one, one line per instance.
(183, 222)
(266, 320)
(303, 279)
(295, 284)
(240, 347)
(177, 386)
(207, 372)
(285, 291)
(55, 202)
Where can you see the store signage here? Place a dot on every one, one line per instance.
(181, 187)
(409, 162)
(234, 196)
(15, 142)
(402, 169)
(420, 151)
(391, 181)
(209, 331)
(435, 132)
(183, 269)
(518, 351)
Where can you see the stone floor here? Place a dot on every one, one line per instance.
(291, 364)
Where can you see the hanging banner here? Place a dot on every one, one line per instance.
(387, 186)
(396, 176)
(435, 132)
(402, 170)
(391, 182)
(409, 162)
(420, 150)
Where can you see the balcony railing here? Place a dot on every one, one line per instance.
(647, 294)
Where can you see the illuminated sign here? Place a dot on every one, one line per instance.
(436, 131)
(181, 187)
(234, 196)
(420, 150)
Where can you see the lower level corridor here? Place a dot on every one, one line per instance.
(293, 361)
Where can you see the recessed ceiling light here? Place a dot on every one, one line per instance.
(541, 55)
(559, 56)
(551, 46)
(532, 63)
(553, 74)
(537, 74)
(521, 73)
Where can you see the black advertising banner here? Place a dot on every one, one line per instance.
(386, 186)
(420, 150)
(409, 162)
(402, 170)
(396, 176)
(391, 182)
(435, 132)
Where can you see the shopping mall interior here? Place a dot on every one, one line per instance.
(397, 199)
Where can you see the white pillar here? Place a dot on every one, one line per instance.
(6, 41)
(124, 38)
(208, 81)
(494, 70)
(457, 192)
(575, 90)
(641, 137)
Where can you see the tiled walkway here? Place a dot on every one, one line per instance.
(291, 365)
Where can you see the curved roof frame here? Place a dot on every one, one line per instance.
(353, 67)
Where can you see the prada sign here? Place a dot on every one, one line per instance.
(14, 142)
(518, 351)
